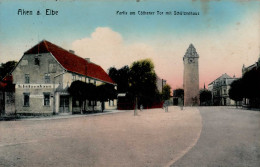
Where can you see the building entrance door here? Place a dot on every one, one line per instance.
(64, 104)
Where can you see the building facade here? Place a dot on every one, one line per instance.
(43, 75)
(191, 77)
(255, 65)
(160, 83)
(219, 89)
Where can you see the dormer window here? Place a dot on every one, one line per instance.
(36, 60)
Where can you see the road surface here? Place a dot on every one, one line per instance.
(229, 137)
(203, 136)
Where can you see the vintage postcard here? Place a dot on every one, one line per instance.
(143, 66)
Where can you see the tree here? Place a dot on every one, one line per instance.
(166, 92)
(251, 82)
(82, 91)
(90, 93)
(247, 87)
(205, 97)
(6, 68)
(142, 82)
(236, 91)
(120, 77)
(77, 91)
(251, 88)
(105, 92)
(178, 95)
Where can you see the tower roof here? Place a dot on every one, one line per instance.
(191, 52)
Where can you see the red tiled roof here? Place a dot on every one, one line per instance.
(70, 61)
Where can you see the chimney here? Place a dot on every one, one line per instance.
(72, 51)
(88, 60)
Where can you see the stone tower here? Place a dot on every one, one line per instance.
(191, 77)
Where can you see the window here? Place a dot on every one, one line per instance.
(47, 78)
(111, 102)
(36, 61)
(93, 103)
(52, 68)
(26, 99)
(27, 78)
(73, 77)
(95, 82)
(46, 99)
(80, 78)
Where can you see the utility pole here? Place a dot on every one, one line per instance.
(163, 81)
(135, 110)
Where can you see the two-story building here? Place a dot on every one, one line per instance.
(43, 75)
(220, 88)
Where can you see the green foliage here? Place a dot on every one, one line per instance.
(178, 93)
(121, 77)
(205, 97)
(137, 81)
(166, 92)
(247, 87)
(82, 91)
(235, 91)
(106, 92)
(142, 82)
(6, 68)
(250, 83)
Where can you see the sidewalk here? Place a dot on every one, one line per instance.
(60, 116)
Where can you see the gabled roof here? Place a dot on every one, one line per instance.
(70, 61)
(223, 76)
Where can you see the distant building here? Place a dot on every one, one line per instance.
(220, 88)
(43, 75)
(160, 83)
(191, 77)
(255, 65)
